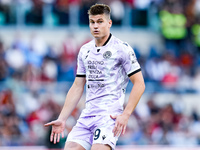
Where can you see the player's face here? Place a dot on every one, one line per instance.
(99, 25)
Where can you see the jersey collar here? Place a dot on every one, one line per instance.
(107, 40)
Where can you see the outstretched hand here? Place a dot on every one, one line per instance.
(120, 124)
(58, 128)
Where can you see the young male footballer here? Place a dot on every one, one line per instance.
(105, 65)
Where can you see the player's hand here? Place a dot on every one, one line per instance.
(57, 130)
(120, 124)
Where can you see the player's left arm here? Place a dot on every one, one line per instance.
(135, 95)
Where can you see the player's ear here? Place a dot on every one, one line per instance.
(110, 23)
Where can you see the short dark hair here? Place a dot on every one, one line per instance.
(99, 9)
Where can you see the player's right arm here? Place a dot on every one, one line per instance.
(71, 101)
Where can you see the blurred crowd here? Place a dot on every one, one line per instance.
(153, 124)
(32, 60)
(62, 12)
(32, 71)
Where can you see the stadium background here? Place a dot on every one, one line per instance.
(39, 42)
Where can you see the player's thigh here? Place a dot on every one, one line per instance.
(73, 146)
(100, 147)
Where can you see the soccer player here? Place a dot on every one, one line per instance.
(105, 65)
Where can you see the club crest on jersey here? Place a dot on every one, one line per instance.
(107, 54)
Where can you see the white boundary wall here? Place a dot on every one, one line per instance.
(138, 37)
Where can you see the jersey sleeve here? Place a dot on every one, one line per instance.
(129, 60)
(81, 72)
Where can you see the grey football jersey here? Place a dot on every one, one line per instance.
(106, 69)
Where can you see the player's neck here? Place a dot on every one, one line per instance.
(101, 41)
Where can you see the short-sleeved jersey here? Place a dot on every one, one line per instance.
(107, 70)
